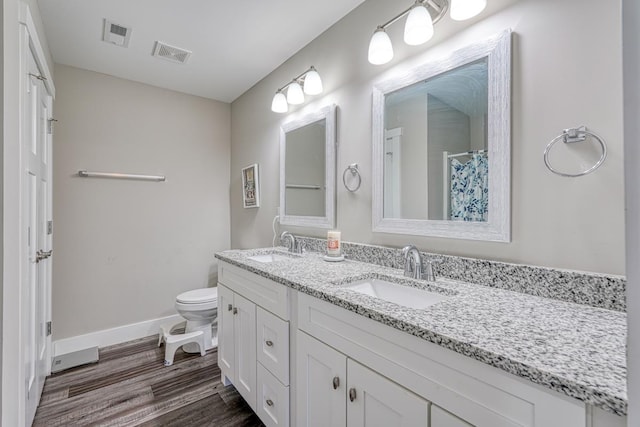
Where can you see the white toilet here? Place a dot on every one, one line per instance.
(200, 308)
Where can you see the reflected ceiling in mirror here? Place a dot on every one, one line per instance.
(441, 146)
(436, 164)
(307, 169)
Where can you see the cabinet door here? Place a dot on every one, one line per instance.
(376, 401)
(226, 346)
(321, 384)
(245, 348)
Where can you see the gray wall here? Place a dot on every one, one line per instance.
(411, 115)
(305, 165)
(449, 129)
(557, 222)
(124, 249)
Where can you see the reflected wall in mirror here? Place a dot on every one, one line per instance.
(441, 151)
(307, 169)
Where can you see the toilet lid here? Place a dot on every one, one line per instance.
(198, 296)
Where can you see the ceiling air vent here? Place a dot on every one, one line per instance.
(171, 53)
(116, 34)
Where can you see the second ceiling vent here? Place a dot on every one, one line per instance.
(116, 34)
(171, 53)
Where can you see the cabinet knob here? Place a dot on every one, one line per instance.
(336, 382)
(269, 343)
(352, 394)
(235, 310)
(229, 307)
(269, 402)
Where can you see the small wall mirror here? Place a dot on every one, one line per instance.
(441, 146)
(308, 169)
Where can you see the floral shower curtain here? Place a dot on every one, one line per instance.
(470, 189)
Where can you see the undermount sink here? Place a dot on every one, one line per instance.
(272, 257)
(403, 295)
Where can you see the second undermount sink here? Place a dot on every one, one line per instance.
(272, 257)
(403, 295)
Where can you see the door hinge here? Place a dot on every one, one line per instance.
(49, 227)
(50, 125)
(49, 328)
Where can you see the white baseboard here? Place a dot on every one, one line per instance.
(112, 336)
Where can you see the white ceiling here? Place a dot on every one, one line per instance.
(235, 43)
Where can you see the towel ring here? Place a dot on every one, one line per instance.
(570, 136)
(353, 168)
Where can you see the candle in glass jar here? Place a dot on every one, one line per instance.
(333, 243)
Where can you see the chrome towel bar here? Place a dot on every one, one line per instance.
(304, 186)
(115, 175)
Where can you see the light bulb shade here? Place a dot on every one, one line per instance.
(419, 27)
(312, 83)
(466, 9)
(294, 94)
(380, 49)
(279, 103)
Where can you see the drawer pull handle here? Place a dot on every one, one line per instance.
(336, 382)
(269, 343)
(229, 307)
(269, 402)
(235, 310)
(352, 394)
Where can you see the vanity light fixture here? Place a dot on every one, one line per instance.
(308, 82)
(418, 28)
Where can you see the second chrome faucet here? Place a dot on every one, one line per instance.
(290, 241)
(413, 264)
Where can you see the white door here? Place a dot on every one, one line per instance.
(245, 348)
(391, 174)
(36, 286)
(375, 401)
(321, 384)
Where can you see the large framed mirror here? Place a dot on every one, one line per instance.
(308, 169)
(441, 146)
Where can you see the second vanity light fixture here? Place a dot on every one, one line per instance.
(308, 82)
(418, 28)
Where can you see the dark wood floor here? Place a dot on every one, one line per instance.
(130, 386)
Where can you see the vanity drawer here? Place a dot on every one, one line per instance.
(264, 292)
(273, 399)
(273, 344)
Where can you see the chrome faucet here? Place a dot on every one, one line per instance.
(290, 242)
(412, 262)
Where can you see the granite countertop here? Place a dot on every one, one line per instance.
(574, 349)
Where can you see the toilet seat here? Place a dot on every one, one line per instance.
(198, 296)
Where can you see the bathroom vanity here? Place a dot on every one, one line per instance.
(304, 347)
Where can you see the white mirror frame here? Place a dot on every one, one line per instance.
(328, 114)
(497, 228)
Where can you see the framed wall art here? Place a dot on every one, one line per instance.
(250, 186)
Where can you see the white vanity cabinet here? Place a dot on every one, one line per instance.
(291, 355)
(395, 374)
(253, 341)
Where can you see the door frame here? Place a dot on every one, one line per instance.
(17, 20)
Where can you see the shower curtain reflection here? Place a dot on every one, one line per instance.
(469, 188)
